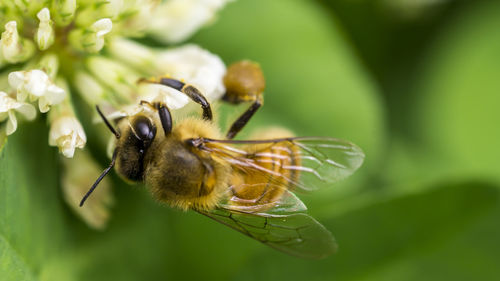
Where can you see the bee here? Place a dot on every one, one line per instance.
(247, 185)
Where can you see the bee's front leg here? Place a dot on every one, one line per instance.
(244, 82)
(189, 90)
(164, 114)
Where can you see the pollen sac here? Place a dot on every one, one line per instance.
(244, 81)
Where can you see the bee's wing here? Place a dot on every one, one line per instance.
(282, 164)
(321, 160)
(296, 234)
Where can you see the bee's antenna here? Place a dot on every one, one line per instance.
(104, 173)
(107, 122)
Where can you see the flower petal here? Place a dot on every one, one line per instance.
(27, 110)
(11, 123)
(44, 36)
(13, 48)
(5, 102)
(155, 92)
(16, 79)
(176, 20)
(67, 134)
(199, 67)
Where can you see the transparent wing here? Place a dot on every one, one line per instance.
(286, 203)
(302, 163)
(295, 234)
(261, 205)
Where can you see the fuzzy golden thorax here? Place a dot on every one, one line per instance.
(183, 176)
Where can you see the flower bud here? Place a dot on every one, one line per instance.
(142, 12)
(93, 39)
(89, 88)
(49, 63)
(67, 133)
(13, 48)
(65, 11)
(120, 78)
(44, 35)
(133, 53)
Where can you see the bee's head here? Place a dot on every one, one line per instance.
(133, 141)
(137, 134)
(143, 130)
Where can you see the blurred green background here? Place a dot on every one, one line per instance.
(415, 83)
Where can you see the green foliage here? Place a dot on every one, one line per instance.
(403, 239)
(315, 83)
(425, 206)
(457, 112)
(33, 224)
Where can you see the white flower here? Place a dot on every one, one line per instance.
(8, 106)
(28, 83)
(67, 134)
(56, 46)
(159, 93)
(197, 67)
(94, 40)
(189, 63)
(45, 34)
(101, 28)
(129, 110)
(37, 85)
(14, 49)
(176, 20)
(53, 95)
(10, 41)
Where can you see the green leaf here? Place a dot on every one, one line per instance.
(33, 231)
(459, 95)
(428, 236)
(3, 137)
(315, 83)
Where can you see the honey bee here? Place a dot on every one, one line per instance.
(247, 185)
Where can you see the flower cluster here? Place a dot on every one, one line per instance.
(53, 50)
(89, 45)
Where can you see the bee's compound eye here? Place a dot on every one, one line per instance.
(144, 128)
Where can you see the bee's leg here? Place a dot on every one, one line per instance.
(244, 82)
(163, 112)
(150, 105)
(193, 93)
(165, 118)
(245, 117)
(198, 98)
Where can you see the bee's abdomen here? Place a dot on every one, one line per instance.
(263, 186)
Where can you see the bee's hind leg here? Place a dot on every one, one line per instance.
(189, 90)
(244, 118)
(244, 82)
